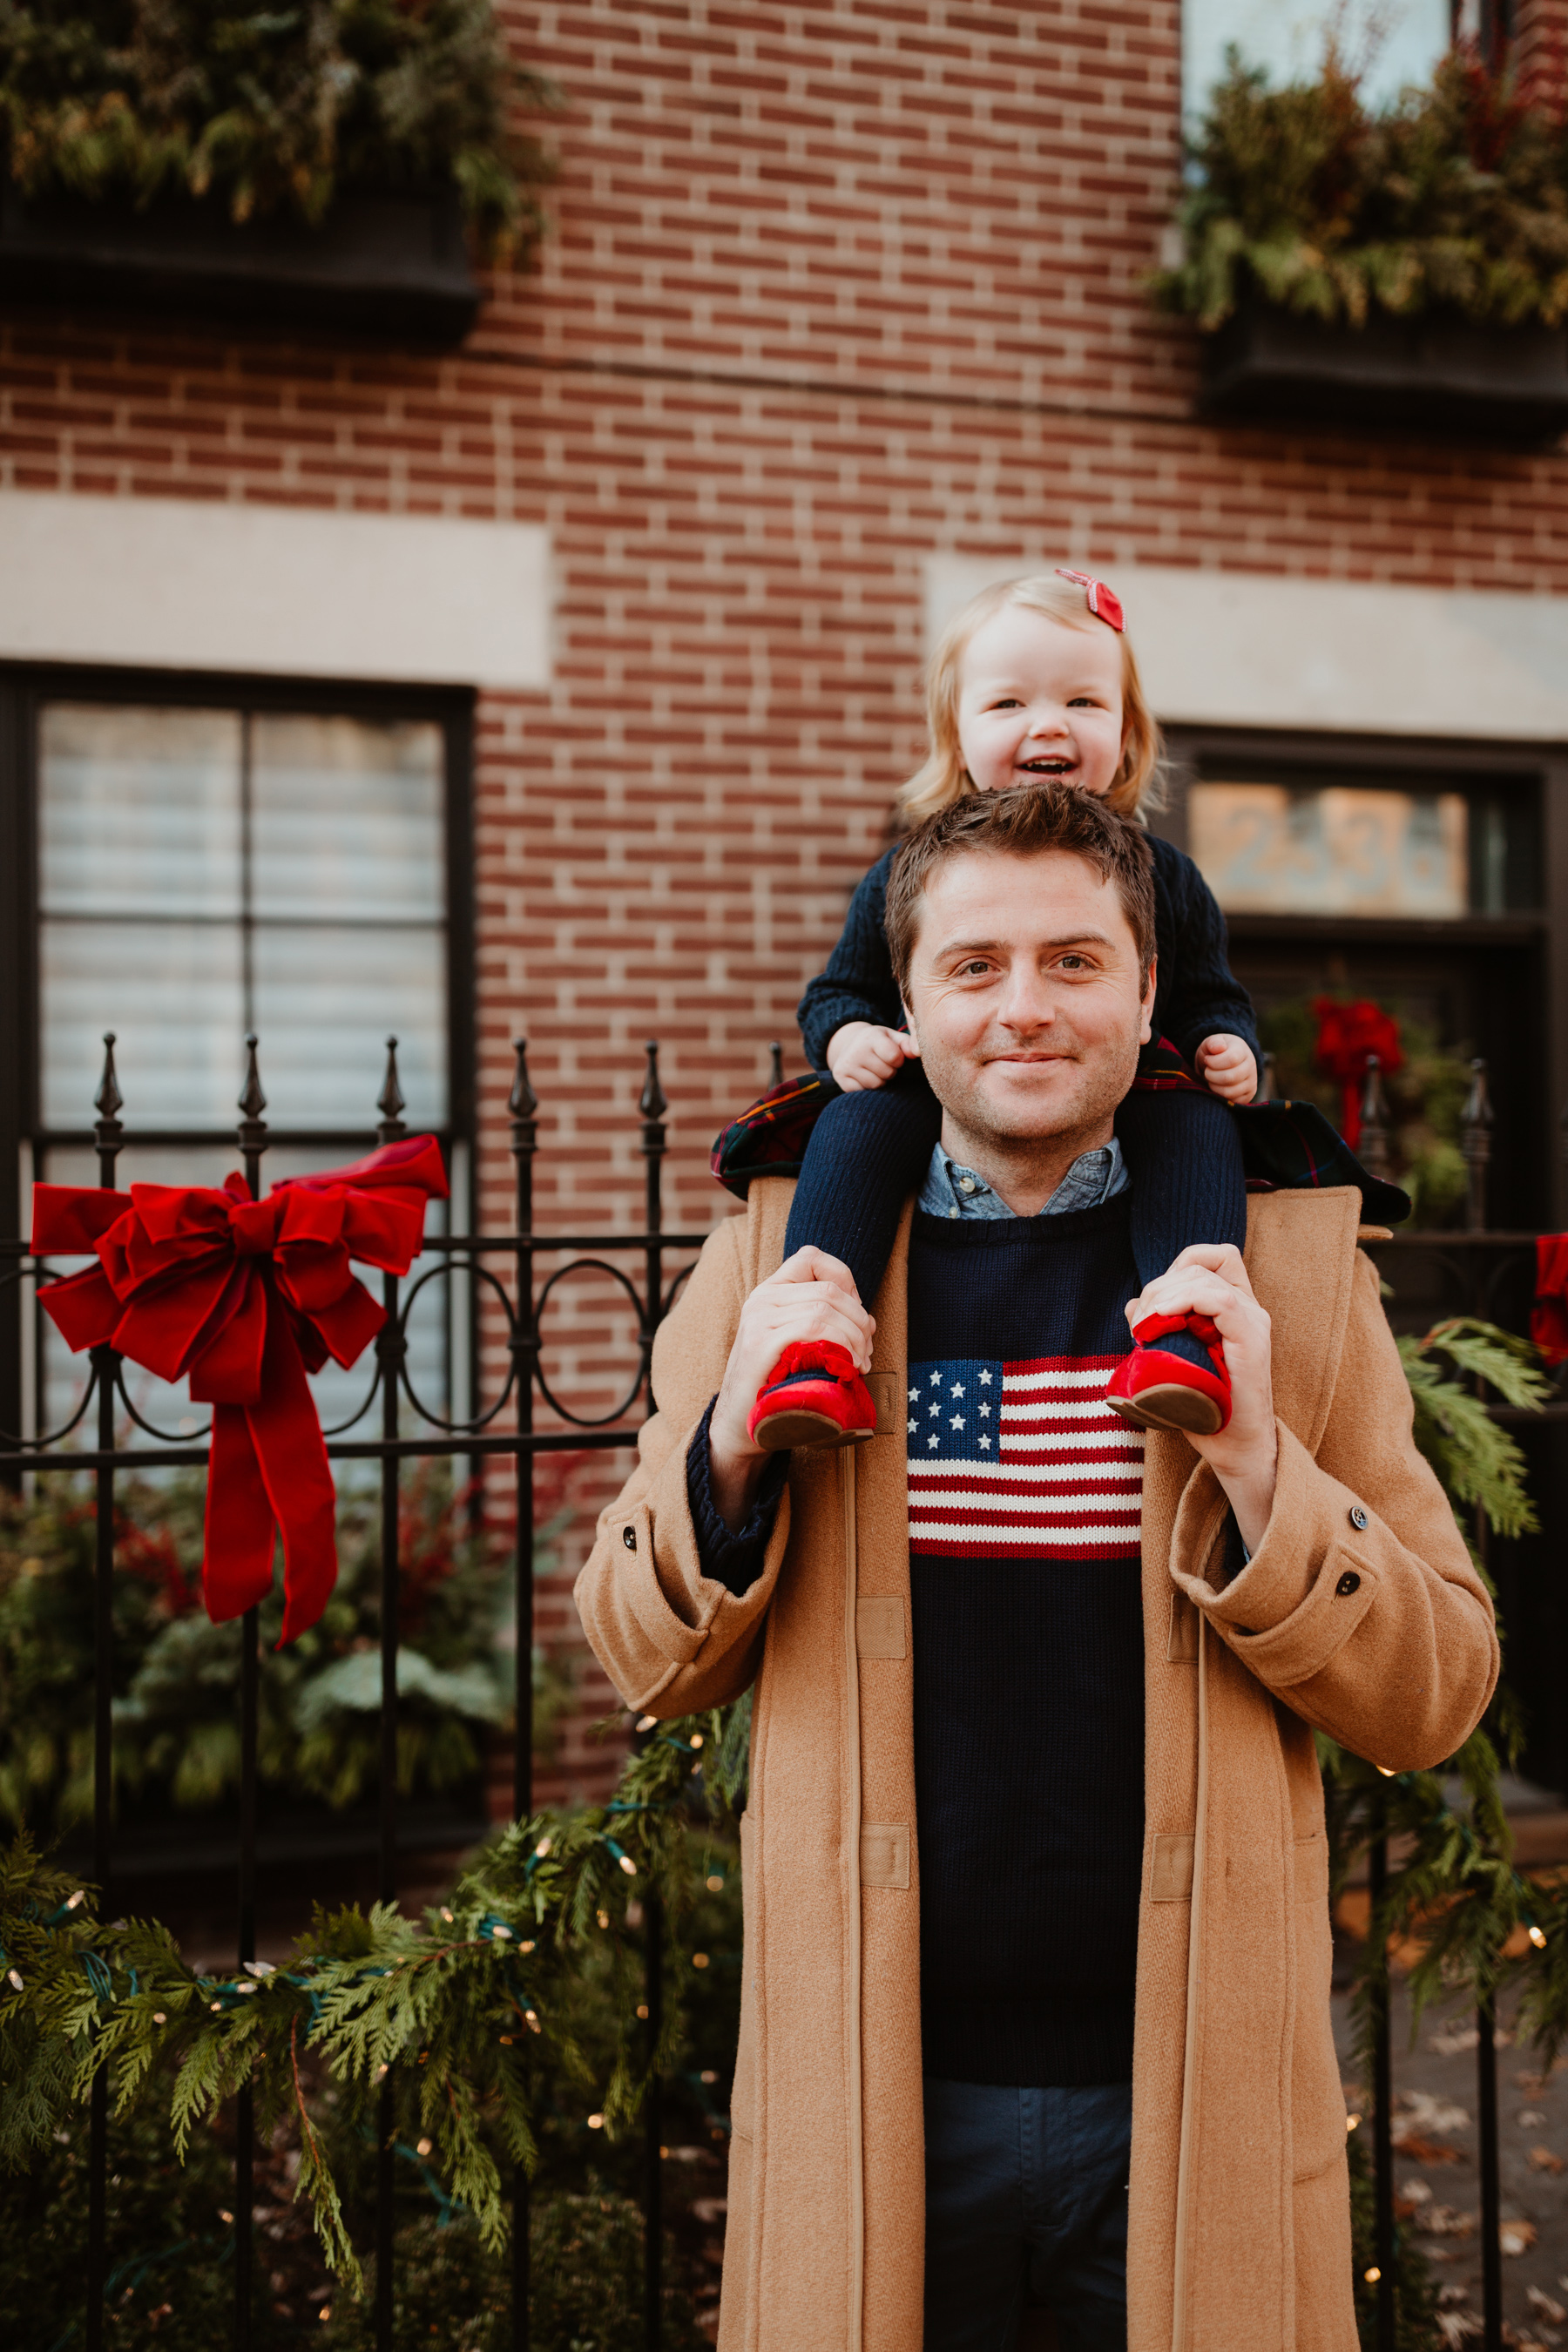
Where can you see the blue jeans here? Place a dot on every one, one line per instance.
(1027, 2201)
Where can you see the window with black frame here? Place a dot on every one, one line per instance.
(206, 866)
(1412, 879)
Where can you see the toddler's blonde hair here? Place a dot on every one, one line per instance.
(944, 778)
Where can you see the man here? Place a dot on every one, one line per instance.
(1037, 1972)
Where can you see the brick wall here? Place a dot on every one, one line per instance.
(831, 287)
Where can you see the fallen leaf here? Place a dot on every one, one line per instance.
(1531, 2119)
(1551, 2310)
(1456, 2327)
(1419, 2113)
(1449, 2295)
(1443, 2221)
(1426, 2151)
(1543, 2160)
(1416, 2192)
(1516, 2237)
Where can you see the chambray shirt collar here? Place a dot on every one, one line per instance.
(951, 1190)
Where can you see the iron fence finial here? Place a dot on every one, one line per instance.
(522, 1102)
(1475, 1142)
(651, 1103)
(252, 1129)
(1373, 1149)
(389, 1102)
(776, 1052)
(108, 1099)
(252, 1101)
(107, 1131)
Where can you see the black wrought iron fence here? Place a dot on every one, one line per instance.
(1490, 1276)
(505, 1426)
(1474, 1271)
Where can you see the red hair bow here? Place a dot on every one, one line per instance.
(246, 1297)
(1103, 601)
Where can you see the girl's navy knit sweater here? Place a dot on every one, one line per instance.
(1025, 1500)
(1196, 994)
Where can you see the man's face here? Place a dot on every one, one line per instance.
(1024, 995)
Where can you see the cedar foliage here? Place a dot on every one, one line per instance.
(1456, 199)
(268, 110)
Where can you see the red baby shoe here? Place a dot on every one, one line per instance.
(1156, 1390)
(812, 1396)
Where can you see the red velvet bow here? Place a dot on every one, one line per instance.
(245, 1296)
(1549, 1315)
(1347, 1034)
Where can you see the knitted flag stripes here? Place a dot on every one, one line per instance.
(1021, 1461)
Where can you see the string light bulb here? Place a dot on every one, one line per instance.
(1538, 1936)
(595, 2122)
(1372, 2275)
(424, 2146)
(715, 1885)
(697, 1739)
(647, 1722)
(542, 1848)
(13, 1979)
(1352, 2122)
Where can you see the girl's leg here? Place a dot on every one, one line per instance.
(1183, 1157)
(866, 1155)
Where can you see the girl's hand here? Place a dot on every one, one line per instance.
(863, 1055)
(1227, 1066)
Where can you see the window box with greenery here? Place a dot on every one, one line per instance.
(332, 164)
(1407, 267)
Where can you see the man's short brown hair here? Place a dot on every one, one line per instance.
(1020, 823)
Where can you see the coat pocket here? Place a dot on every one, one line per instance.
(1317, 2101)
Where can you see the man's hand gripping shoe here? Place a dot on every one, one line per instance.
(1154, 1388)
(812, 1396)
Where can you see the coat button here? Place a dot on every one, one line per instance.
(1348, 1583)
(629, 1538)
(1358, 1516)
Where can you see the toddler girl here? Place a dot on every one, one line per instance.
(1035, 678)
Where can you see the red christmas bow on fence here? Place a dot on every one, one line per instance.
(1549, 1316)
(1347, 1034)
(245, 1296)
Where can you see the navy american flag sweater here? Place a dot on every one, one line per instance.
(1026, 1504)
(1025, 1501)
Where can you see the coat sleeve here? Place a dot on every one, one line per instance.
(671, 1639)
(858, 984)
(1361, 1609)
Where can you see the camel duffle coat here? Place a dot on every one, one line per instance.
(1359, 1613)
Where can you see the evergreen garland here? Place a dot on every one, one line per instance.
(452, 2001)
